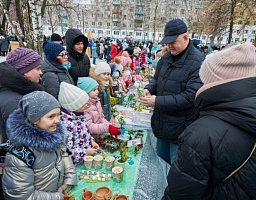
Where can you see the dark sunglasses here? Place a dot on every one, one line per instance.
(63, 54)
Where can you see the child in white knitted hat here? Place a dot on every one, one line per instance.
(73, 101)
(101, 73)
(94, 114)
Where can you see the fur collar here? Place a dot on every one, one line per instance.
(101, 85)
(21, 133)
(13, 80)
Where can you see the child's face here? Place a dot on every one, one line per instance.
(80, 110)
(94, 93)
(49, 121)
(104, 76)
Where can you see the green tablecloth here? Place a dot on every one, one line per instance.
(126, 186)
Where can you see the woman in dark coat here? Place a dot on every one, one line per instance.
(77, 44)
(55, 68)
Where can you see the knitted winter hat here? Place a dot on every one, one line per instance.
(234, 62)
(24, 59)
(71, 97)
(102, 67)
(52, 50)
(56, 37)
(36, 104)
(78, 39)
(87, 84)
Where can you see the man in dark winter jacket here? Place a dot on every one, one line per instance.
(172, 90)
(216, 157)
(77, 44)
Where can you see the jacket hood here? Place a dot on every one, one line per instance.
(70, 36)
(231, 101)
(11, 79)
(49, 67)
(21, 133)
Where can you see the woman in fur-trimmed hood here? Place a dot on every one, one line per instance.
(101, 73)
(49, 173)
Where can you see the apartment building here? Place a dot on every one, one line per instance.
(137, 19)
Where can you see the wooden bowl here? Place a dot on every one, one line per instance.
(102, 193)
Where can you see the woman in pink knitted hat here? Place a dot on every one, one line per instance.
(20, 75)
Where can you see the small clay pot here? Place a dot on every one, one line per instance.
(102, 193)
(87, 195)
(120, 197)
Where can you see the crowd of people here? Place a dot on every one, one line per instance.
(52, 108)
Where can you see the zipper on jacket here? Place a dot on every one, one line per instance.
(56, 166)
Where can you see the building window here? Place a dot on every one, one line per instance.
(99, 23)
(108, 24)
(93, 23)
(131, 26)
(244, 39)
(115, 24)
(138, 33)
(116, 32)
(123, 32)
(108, 32)
(100, 31)
(49, 28)
(246, 31)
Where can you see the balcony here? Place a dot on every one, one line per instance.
(115, 11)
(138, 20)
(116, 19)
(139, 12)
(116, 3)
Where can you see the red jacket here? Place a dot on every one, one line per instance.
(113, 51)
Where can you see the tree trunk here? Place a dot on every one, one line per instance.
(231, 24)
(6, 13)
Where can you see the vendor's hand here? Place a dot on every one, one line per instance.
(95, 145)
(91, 151)
(146, 92)
(148, 101)
(64, 188)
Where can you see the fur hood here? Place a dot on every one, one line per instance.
(21, 133)
(13, 80)
(101, 85)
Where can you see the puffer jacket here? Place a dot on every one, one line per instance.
(78, 135)
(95, 118)
(216, 144)
(51, 169)
(52, 76)
(12, 87)
(80, 63)
(104, 94)
(175, 84)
